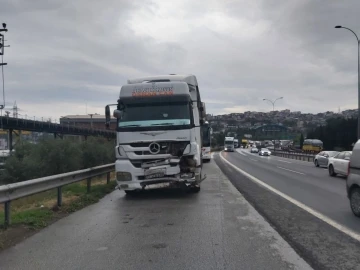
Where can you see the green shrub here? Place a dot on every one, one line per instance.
(50, 157)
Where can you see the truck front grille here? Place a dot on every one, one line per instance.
(173, 148)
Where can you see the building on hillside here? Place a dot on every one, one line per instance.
(272, 132)
(95, 121)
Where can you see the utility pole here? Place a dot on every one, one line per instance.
(91, 115)
(2, 64)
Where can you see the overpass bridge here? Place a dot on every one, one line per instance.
(11, 124)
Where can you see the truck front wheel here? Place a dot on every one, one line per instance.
(195, 189)
(130, 192)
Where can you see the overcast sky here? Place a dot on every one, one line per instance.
(66, 54)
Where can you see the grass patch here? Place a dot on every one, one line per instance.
(33, 218)
(84, 199)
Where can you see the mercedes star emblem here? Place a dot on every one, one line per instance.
(154, 148)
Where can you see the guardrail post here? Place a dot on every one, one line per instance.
(59, 196)
(88, 184)
(108, 178)
(7, 214)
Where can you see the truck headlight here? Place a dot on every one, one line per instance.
(187, 150)
(123, 176)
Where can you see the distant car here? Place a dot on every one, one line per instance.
(264, 152)
(322, 159)
(353, 180)
(254, 150)
(339, 163)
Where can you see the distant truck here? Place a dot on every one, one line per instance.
(229, 144)
(236, 143)
(244, 143)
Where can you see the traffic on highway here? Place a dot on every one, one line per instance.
(310, 207)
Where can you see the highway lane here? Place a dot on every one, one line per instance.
(308, 169)
(214, 229)
(302, 181)
(322, 244)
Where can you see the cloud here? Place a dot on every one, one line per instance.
(64, 55)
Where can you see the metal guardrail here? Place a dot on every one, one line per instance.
(26, 188)
(297, 156)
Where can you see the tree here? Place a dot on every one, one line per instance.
(301, 141)
(337, 133)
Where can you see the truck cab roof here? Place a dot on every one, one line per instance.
(151, 90)
(189, 79)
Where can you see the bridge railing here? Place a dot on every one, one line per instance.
(19, 190)
(38, 126)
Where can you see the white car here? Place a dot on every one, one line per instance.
(264, 152)
(339, 163)
(254, 150)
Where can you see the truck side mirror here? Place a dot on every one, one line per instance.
(107, 116)
(203, 110)
(118, 114)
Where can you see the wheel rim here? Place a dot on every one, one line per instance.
(355, 202)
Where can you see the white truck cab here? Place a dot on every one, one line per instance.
(158, 133)
(229, 144)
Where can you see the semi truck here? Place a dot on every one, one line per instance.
(159, 138)
(229, 144)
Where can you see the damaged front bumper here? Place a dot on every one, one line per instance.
(158, 176)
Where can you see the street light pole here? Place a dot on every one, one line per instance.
(273, 102)
(358, 42)
(91, 115)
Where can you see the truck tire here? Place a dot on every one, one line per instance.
(130, 192)
(195, 189)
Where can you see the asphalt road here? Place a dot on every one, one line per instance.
(214, 229)
(319, 243)
(302, 181)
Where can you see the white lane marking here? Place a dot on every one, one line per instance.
(254, 160)
(284, 161)
(241, 152)
(290, 170)
(212, 155)
(308, 209)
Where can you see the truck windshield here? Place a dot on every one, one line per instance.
(156, 114)
(229, 142)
